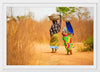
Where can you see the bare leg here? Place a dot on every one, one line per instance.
(67, 53)
(52, 50)
(71, 52)
(55, 50)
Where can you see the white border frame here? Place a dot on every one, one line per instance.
(45, 66)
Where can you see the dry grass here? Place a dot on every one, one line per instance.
(21, 34)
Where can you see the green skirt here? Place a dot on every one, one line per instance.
(67, 42)
(54, 42)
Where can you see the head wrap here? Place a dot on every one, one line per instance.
(69, 27)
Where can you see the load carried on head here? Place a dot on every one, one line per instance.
(67, 18)
(54, 17)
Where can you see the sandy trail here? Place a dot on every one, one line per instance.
(43, 56)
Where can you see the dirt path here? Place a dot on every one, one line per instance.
(43, 56)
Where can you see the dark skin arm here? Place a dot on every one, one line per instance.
(60, 19)
(63, 33)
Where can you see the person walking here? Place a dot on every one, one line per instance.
(67, 33)
(54, 30)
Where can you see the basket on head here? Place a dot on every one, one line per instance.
(54, 17)
(67, 18)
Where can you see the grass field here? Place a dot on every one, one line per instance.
(28, 43)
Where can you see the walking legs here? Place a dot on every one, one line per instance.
(71, 52)
(54, 50)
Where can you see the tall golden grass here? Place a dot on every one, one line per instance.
(23, 32)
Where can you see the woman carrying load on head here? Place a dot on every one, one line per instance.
(55, 28)
(67, 32)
